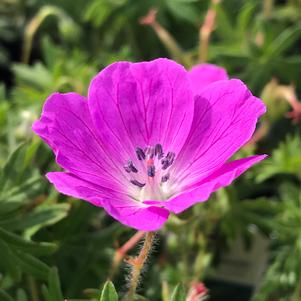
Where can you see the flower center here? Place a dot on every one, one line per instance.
(149, 175)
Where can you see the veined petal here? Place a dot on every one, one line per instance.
(222, 177)
(204, 74)
(119, 206)
(225, 118)
(76, 187)
(141, 104)
(136, 215)
(67, 127)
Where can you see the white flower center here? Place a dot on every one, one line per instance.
(149, 175)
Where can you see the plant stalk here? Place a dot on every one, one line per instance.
(206, 30)
(137, 264)
(121, 252)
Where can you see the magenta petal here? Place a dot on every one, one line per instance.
(228, 172)
(185, 199)
(222, 177)
(204, 74)
(225, 118)
(120, 206)
(141, 104)
(137, 215)
(67, 127)
(71, 185)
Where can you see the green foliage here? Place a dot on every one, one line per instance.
(178, 293)
(254, 47)
(108, 292)
(54, 292)
(286, 159)
(283, 276)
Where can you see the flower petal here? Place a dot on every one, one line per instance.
(120, 206)
(225, 118)
(72, 185)
(67, 127)
(137, 215)
(140, 104)
(222, 177)
(204, 74)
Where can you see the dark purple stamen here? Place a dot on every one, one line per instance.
(170, 156)
(152, 156)
(127, 168)
(165, 178)
(137, 183)
(140, 153)
(151, 171)
(168, 160)
(171, 160)
(132, 166)
(159, 151)
(165, 163)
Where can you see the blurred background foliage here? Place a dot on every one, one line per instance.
(53, 247)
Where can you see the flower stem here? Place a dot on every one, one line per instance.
(137, 264)
(267, 8)
(121, 252)
(165, 36)
(206, 30)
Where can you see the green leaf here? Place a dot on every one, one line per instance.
(21, 295)
(32, 265)
(183, 10)
(283, 42)
(22, 191)
(55, 291)
(8, 208)
(10, 261)
(40, 217)
(178, 293)
(224, 26)
(11, 168)
(285, 159)
(4, 296)
(108, 292)
(37, 76)
(245, 16)
(42, 248)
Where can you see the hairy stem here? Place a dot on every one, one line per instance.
(121, 252)
(137, 264)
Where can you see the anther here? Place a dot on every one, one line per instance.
(137, 183)
(165, 178)
(170, 156)
(140, 153)
(127, 168)
(132, 166)
(165, 163)
(151, 170)
(168, 160)
(159, 151)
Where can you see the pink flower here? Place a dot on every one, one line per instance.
(150, 138)
(197, 292)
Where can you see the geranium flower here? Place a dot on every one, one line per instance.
(149, 139)
(197, 292)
